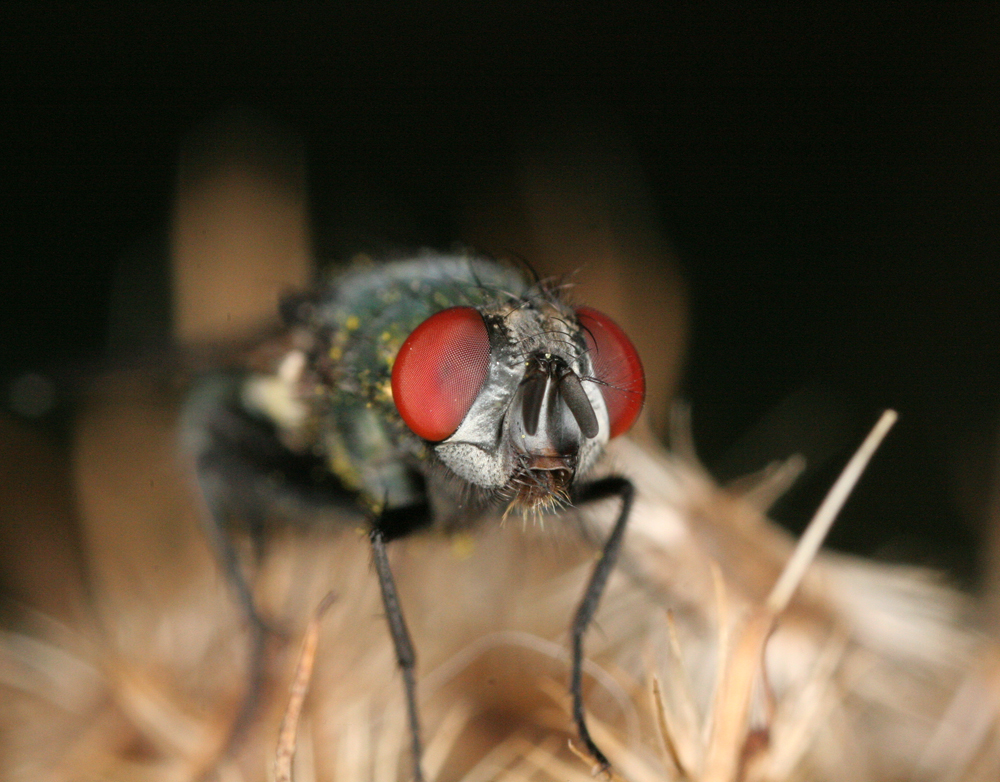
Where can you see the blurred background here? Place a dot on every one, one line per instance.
(808, 201)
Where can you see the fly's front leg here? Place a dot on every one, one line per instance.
(405, 656)
(590, 492)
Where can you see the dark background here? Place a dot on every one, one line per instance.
(830, 181)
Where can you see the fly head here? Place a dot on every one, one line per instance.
(519, 398)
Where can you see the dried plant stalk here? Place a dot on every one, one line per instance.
(300, 686)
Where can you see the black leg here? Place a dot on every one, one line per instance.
(226, 553)
(222, 544)
(213, 519)
(405, 656)
(597, 490)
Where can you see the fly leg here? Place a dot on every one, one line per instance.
(225, 551)
(612, 486)
(232, 457)
(405, 656)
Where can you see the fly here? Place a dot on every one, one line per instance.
(430, 391)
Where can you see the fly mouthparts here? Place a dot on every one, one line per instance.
(549, 462)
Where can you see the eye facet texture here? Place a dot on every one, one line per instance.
(617, 368)
(440, 370)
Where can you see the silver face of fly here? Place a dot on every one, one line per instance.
(521, 436)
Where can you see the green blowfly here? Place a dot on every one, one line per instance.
(432, 391)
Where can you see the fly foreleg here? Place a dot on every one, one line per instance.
(405, 656)
(591, 492)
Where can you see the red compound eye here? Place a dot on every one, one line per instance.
(440, 370)
(617, 368)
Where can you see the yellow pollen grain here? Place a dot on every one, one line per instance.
(463, 546)
(352, 323)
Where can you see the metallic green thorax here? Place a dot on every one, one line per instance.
(352, 333)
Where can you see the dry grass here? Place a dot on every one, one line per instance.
(870, 673)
